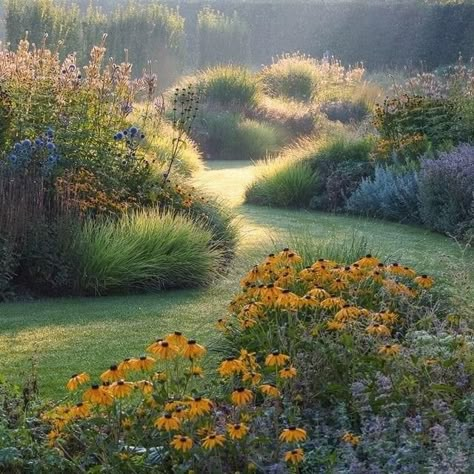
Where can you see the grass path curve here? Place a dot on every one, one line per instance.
(67, 335)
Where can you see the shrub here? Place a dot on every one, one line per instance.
(227, 135)
(281, 184)
(389, 194)
(145, 249)
(222, 39)
(447, 191)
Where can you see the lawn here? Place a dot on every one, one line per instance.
(64, 336)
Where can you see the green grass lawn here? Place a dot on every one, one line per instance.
(72, 334)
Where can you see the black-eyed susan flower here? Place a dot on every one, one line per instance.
(121, 389)
(332, 303)
(307, 301)
(253, 377)
(293, 435)
(338, 285)
(177, 339)
(376, 329)
(424, 281)
(295, 456)
(81, 410)
(376, 276)
(98, 395)
(288, 372)
(387, 317)
(335, 325)
(145, 386)
(125, 366)
(212, 441)
(253, 310)
(276, 359)
(222, 324)
(347, 313)
(76, 380)
(319, 293)
(285, 279)
(269, 293)
(164, 350)
(160, 376)
(368, 261)
(237, 430)
(195, 371)
(307, 274)
(182, 443)
(127, 423)
(199, 406)
(351, 438)
(255, 274)
(231, 366)
(270, 390)
(389, 349)
(248, 358)
(323, 263)
(241, 396)
(395, 268)
(143, 363)
(112, 374)
(167, 422)
(287, 299)
(193, 350)
(247, 323)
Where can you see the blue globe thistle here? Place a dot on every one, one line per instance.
(17, 147)
(51, 146)
(118, 136)
(26, 143)
(50, 133)
(13, 158)
(133, 131)
(38, 142)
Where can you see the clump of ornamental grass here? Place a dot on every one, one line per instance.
(145, 249)
(305, 79)
(229, 86)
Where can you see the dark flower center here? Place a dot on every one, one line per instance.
(191, 342)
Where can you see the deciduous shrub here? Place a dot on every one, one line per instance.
(390, 194)
(447, 191)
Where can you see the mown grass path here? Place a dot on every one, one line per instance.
(68, 335)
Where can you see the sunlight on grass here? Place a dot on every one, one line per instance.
(68, 335)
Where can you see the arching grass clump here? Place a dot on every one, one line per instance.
(280, 183)
(313, 173)
(293, 76)
(146, 250)
(229, 86)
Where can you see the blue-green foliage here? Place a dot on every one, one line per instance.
(390, 194)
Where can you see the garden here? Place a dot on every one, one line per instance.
(220, 258)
